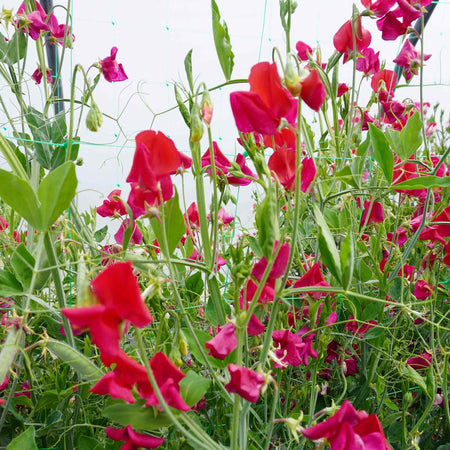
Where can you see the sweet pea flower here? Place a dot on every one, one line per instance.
(234, 180)
(437, 232)
(410, 59)
(112, 206)
(378, 7)
(283, 164)
(111, 70)
(342, 89)
(37, 76)
(262, 109)
(118, 300)
(133, 440)
(313, 277)
(244, 382)
(369, 62)
(343, 39)
(223, 343)
(372, 212)
(287, 346)
(136, 235)
(35, 22)
(384, 83)
(422, 290)
(302, 50)
(423, 361)
(349, 429)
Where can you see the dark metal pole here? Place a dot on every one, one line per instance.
(52, 59)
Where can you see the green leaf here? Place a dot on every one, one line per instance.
(59, 128)
(138, 416)
(381, 152)
(24, 441)
(193, 387)
(82, 365)
(327, 246)
(194, 285)
(345, 175)
(8, 351)
(100, 234)
(9, 284)
(40, 128)
(188, 69)
(202, 337)
(374, 333)
(426, 182)
(87, 443)
(182, 107)
(17, 47)
(172, 217)
(22, 261)
(347, 258)
(415, 378)
(55, 192)
(393, 137)
(20, 196)
(222, 42)
(410, 137)
(363, 147)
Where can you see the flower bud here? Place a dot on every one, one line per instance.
(94, 119)
(182, 343)
(207, 108)
(196, 125)
(292, 80)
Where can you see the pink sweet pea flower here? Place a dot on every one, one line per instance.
(220, 160)
(241, 181)
(133, 440)
(223, 343)
(343, 39)
(244, 382)
(112, 206)
(437, 232)
(384, 83)
(302, 50)
(358, 329)
(410, 59)
(111, 70)
(378, 7)
(372, 212)
(136, 235)
(58, 32)
(369, 62)
(37, 76)
(262, 109)
(287, 345)
(342, 89)
(422, 290)
(349, 429)
(391, 28)
(36, 20)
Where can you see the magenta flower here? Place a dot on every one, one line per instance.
(372, 212)
(306, 349)
(136, 235)
(287, 345)
(111, 70)
(342, 89)
(133, 440)
(423, 361)
(383, 83)
(223, 343)
(369, 62)
(378, 7)
(220, 160)
(359, 329)
(279, 265)
(36, 20)
(410, 59)
(349, 429)
(37, 76)
(313, 277)
(422, 290)
(344, 39)
(244, 382)
(112, 206)
(302, 50)
(241, 181)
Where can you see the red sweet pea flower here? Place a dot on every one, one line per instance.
(223, 343)
(241, 181)
(313, 277)
(313, 91)
(384, 83)
(133, 440)
(343, 39)
(112, 206)
(302, 50)
(286, 137)
(283, 164)
(220, 160)
(349, 429)
(439, 231)
(244, 382)
(111, 70)
(262, 109)
(359, 329)
(119, 300)
(372, 212)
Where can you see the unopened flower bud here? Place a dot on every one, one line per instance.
(196, 125)
(182, 343)
(292, 80)
(94, 119)
(207, 108)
